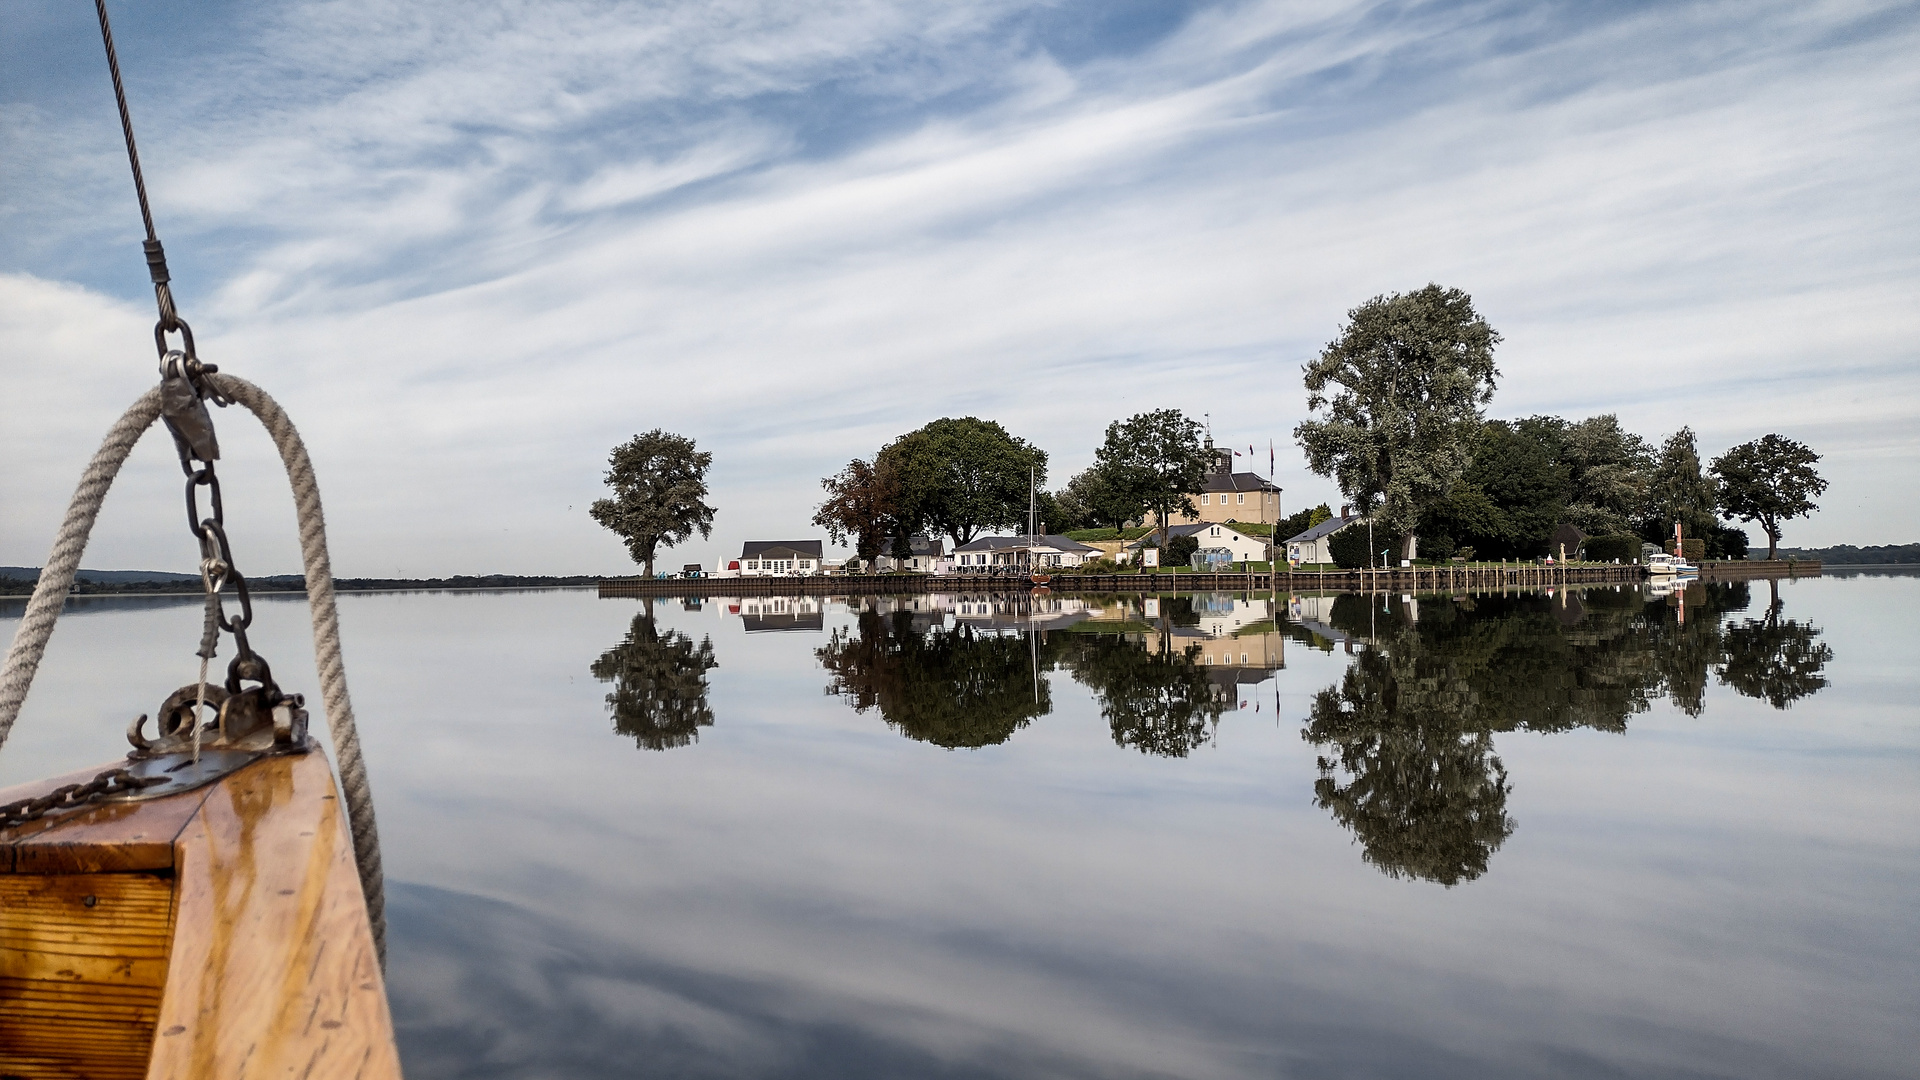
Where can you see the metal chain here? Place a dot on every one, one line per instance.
(69, 796)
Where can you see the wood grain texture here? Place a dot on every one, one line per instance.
(99, 839)
(273, 972)
(83, 961)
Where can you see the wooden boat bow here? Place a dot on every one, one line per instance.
(216, 932)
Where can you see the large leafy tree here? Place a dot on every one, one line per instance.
(1153, 460)
(1099, 496)
(1769, 480)
(659, 696)
(1412, 372)
(863, 504)
(1608, 470)
(1680, 491)
(659, 483)
(961, 477)
(1512, 495)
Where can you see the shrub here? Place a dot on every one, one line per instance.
(1605, 549)
(1693, 550)
(1349, 547)
(1179, 550)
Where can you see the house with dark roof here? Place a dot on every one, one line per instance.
(926, 550)
(986, 552)
(784, 558)
(1311, 546)
(1226, 495)
(1244, 548)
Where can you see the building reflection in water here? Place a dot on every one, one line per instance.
(1407, 759)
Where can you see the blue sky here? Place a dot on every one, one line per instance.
(471, 246)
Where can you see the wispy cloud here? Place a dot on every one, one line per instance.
(475, 246)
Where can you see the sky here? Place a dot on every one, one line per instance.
(472, 246)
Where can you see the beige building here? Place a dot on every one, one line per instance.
(1226, 495)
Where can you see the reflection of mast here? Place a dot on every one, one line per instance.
(1033, 650)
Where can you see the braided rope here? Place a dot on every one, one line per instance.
(49, 596)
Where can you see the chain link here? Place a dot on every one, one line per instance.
(209, 529)
(70, 796)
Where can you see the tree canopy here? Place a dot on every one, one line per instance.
(1413, 371)
(1769, 480)
(1098, 497)
(1680, 491)
(1153, 461)
(961, 477)
(659, 483)
(862, 504)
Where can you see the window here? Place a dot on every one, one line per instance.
(1241, 498)
(753, 564)
(1204, 498)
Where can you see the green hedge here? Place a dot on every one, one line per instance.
(1608, 548)
(1349, 547)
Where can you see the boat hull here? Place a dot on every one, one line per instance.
(215, 932)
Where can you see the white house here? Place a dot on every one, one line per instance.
(927, 553)
(1213, 535)
(1312, 546)
(780, 558)
(987, 552)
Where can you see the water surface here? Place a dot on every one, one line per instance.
(1594, 834)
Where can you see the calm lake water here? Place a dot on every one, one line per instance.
(1588, 835)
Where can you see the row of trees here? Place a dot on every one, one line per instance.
(1402, 431)
(962, 477)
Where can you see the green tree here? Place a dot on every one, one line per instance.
(1512, 495)
(1608, 471)
(961, 477)
(1413, 372)
(1769, 480)
(952, 688)
(1179, 550)
(659, 484)
(659, 682)
(862, 505)
(1290, 527)
(1154, 461)
(1679, 491)
(1102, 497)
(1352, 548)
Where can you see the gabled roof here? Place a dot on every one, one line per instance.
(1240, 481)
(1002, 543)
(1325, 528)
(806, 549)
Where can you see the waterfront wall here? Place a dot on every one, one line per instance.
(1415, 579)
(1757, 568)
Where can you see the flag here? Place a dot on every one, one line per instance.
(1269, 459)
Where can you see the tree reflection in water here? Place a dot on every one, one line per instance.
(1776, 660)
(1406, 736)
(952, 687)
(659, 685)
(1157, 701)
